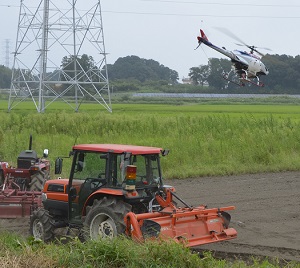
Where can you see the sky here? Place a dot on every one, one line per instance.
(166, 31)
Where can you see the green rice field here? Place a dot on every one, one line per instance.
(204, 139)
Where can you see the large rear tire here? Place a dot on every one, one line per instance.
(38, 180)
(105, 219)
(42, 225)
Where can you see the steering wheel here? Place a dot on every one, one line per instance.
(96, 182)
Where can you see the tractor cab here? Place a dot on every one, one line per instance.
(113, 169)
(129, 173)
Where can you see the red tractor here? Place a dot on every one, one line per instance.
(118, 189)
(21, 186)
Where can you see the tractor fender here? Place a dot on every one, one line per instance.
(99, 194)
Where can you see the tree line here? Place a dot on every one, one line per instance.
(133, 73)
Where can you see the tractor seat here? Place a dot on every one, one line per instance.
(88, 187)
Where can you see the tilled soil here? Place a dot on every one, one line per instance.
(267, 214)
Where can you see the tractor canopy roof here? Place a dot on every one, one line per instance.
(118, 148)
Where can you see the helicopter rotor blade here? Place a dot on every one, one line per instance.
(264, 48)
(232, 35)
(258, 52)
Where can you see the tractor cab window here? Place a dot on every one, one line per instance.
(147, 169)
(89, 165)
(147, 172)
(92, 165)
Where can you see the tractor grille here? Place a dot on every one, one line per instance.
(26, 159)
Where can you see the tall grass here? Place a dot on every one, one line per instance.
(16, 252)
(203, 140)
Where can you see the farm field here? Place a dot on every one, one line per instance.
(244, 155)
(204, 140)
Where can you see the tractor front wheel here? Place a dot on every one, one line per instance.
(42, 225)
(105, 219)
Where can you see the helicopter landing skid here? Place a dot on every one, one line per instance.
(258, 84)
(241, 84)
(244, 78)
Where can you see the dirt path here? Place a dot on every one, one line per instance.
(267, 215)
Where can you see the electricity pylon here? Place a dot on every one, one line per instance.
(60, 55)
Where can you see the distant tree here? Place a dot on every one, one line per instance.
(84, 63)
(5, 77)
(133, 67)
(199, 74)
(216, 69)
(284, 73)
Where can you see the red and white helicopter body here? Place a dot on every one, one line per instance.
(246, 65)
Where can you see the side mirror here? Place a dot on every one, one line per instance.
(165, 152)
(58, 165)
(46, 153)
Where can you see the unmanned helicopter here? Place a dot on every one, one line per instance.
(247, 67)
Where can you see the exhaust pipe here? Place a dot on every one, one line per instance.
(30, 142)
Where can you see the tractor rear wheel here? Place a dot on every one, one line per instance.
(105, 219)
(42, 225)
(38, 180)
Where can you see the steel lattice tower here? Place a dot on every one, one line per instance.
(60, 54)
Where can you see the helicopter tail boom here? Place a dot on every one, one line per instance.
(203, 39)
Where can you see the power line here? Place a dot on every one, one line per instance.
(8, 5)
(203, 3)
(193, 15)
(217, 3)
(202, 15)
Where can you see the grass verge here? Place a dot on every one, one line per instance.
(18, 252)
